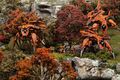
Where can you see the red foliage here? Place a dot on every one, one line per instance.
(1, 56)
(83, 6)
(70, 15)
(69, 21)
(2, 37)
(113, 5)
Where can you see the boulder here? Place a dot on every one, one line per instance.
(94, 72)
(85, 62)
(86, 68)
(107, 73)
(25, 1)
(116, 77)
(82, 73)
(26, 4)
(118, 67)
(3, 47)
(91, 69)
(2, 20)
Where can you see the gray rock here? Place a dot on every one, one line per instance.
(3, 47)
(28, 5)
(82, 72)
(25, 1)
(86, 68)
(116, 77)
(91, 69)
(2, 20)
(94, 72)
(118, 67)
(1, 44)
(107, 73)
(95, 63)
(75, 49)
(85, 62)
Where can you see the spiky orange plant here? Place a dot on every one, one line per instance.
(92, 37)
(98, 19)
(18, 18)
(25, 26)
(98, 15)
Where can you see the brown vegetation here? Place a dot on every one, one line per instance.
(43, 66)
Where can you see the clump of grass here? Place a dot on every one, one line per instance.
(62, 56)
(89, 55)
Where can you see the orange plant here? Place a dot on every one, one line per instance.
(98, 15)
(67, 68)
(92, 37)
(98, 20)
(25, 26)
(43, 66)
(23, 67)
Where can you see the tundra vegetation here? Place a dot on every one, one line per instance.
(32, 50)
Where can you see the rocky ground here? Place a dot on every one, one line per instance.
(94, 69)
